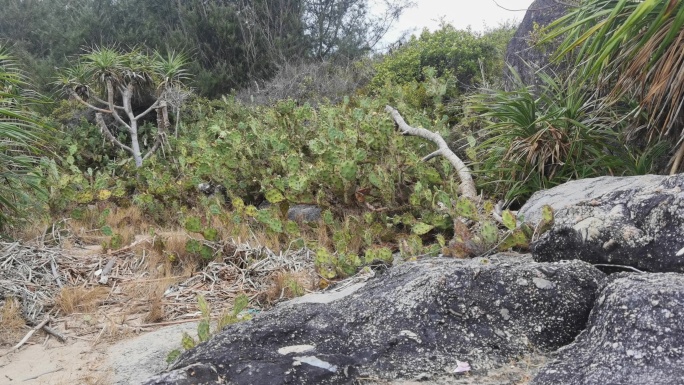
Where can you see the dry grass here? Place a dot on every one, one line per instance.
(80, 299)
(11, 322)
(125, 223)
(287, 284)
(30, 232)
(172, 253)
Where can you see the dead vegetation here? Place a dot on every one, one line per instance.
(102, 294)
(11, 322)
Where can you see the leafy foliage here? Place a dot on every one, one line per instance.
(21, 141)
(233, 43)
(634, 48)
(536, 142)
(450, 52)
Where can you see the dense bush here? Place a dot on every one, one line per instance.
(536, 140)
(462, 54)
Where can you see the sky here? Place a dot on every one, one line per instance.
(478, 14)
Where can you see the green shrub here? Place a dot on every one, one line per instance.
(450, 52)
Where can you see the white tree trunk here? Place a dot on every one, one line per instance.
(135, 144)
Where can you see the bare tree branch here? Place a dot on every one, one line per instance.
(108, 134)
(147, 111)
(80, 100)
(110, 102)
(467, 184)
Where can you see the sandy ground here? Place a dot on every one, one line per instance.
(55, 363)
(77, 361)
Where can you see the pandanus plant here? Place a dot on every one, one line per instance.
(632, 49)
(109, 81)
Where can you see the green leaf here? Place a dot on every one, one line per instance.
(241, 302)
(509, 220)
(188, 342)
(251, 211)
(210, 234)
(547, 213)
(172, 356)
(193, 246)
(421, 228)
(328, 217)
(203, 332)
(106, 230)
(441, 240)
(348, 170)
(292, 228)
(203, 306)
(466, 208)
(207, 253)
(489, 232)
(274, 196)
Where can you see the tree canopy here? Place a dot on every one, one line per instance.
(230, 43)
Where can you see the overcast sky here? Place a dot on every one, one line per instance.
(477, 14)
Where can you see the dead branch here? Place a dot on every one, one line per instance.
(105, 131)
(26, 337)
(467, 184)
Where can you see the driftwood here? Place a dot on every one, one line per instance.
(467, 183)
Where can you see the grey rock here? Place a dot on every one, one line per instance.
(419, 318)
(635, 221)
(635, 336)
(583, 191)
(306, 213)
(522, 54)
(136, 359)
(300, 213)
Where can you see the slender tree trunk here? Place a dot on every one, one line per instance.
(135, 144)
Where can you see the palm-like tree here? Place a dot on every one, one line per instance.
(107, 80)
(636, 49)
(20, 140)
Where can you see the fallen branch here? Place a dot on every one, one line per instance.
(50, 331)
(467, 183)
(26, 337)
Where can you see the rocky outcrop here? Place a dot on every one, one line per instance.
(635, 336)
(636, 221)
(521, 52)
(433, 316)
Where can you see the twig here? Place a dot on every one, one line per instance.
(171, 322)
(26, 337)
(42, 374)
(53, 265)
(54, 333)
(50, 331)
(467, 183)
(126, 248)
(620, 266)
